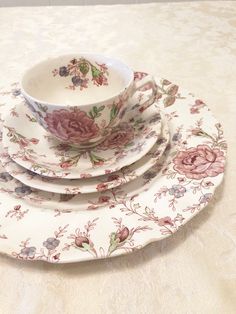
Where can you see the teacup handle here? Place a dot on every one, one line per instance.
(141, 83)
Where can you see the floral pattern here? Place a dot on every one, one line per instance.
(71, 126)
(119, 137)
(168, 92)
(87, 184)
(126, 143)
(74, 126)
(78, 70)
(200, 162)
(5, 176)
(150, 208)
(17, 212)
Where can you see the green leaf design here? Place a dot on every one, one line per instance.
(84, 67)
(31, 119)
(101, 108)
(86, 246)
(114, 112)
(95, 71)
(91, 114)
(96, 112)
(112, 237)
(95, 109)
(129, 144)
(95, 159)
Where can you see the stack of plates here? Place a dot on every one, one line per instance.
(61, 204)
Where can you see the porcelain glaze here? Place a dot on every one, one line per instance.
(80, 98)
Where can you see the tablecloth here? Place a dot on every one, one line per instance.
(194, 45)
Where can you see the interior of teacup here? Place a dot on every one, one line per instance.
(77, 79)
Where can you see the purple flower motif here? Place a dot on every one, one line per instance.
(176, 137)
(205, 198)
(177, 190)
(51, 243)
(23, 190)
(5, 177)
(77, 81)
(28, 252)
(63, 71)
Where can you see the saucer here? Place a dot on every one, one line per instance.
(32, 147)
(126, 218)
(89, 185)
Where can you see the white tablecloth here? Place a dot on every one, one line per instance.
(194, 45)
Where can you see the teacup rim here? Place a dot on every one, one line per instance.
(71, 55)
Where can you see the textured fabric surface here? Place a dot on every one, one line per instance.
(193, 45)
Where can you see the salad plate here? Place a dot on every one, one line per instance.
(45, 155)
(147, 209)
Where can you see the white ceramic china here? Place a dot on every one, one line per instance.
(129, 217)
(42, 154)
(89, 185)
(80, 98)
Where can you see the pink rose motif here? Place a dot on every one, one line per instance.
(119, 137)
(34, 141)
(122, 235)
(200, 162)
(23, 142)
(194, 110)
(65, 165)
(165, 221)
(199, 102)
(103, 199)
(74, 126)
(100, 80)
(102, 187)
(85, 175)
(139, 75)
(81, 240)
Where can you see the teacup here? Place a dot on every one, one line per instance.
(79, 98)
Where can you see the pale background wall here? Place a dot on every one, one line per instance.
(4, 3)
